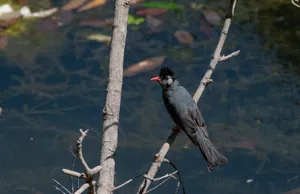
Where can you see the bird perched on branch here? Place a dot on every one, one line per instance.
(187, 116)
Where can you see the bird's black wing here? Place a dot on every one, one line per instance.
(194, 119)
(190, 115)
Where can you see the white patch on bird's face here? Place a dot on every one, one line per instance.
(167, 81)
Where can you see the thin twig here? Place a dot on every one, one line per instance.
(204, 82)
(72, 168)
(123, 184)
(223, 57)
(294, 3)
(162, 177)
(158, 185)
(128, 181)
(180, 181)
(58, 189)
(61, 186)
(177, 187)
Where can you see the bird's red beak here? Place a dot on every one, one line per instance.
(155, 79)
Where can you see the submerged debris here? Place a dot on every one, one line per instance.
(184, 37)
(143, 66)
(7, 12)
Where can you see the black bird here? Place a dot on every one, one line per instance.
(186, 114)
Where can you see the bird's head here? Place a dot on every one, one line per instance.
(166, 77)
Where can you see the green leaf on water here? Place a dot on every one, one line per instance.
(162, 5)
(135, 21)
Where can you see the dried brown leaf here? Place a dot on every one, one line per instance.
(99, 37)
(144, 66)
(211, 17)
(151, 11)
(73, 4)
(154, 24)
(96, 22)
(92, 5)
(184, 37)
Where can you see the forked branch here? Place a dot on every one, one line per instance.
(89, 173)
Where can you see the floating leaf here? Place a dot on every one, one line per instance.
(184, 37)
(96, 22)
(99, 38)
(162, 5)
(154, 24)
(151, 11)
(92, 5)
(73, 4)
(211, 17)
(144, 66)
(135, 21)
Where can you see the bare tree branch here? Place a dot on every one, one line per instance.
(204, 82)
(113, 98)
(225, 57)
(89, 173)
(74, 173)
(85, 186)
(79, 149)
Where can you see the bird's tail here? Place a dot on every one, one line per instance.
(211, 154)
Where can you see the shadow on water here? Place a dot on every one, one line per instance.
(52, 87)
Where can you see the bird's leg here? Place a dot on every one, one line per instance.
(176, 129)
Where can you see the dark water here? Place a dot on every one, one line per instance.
(53, 83)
